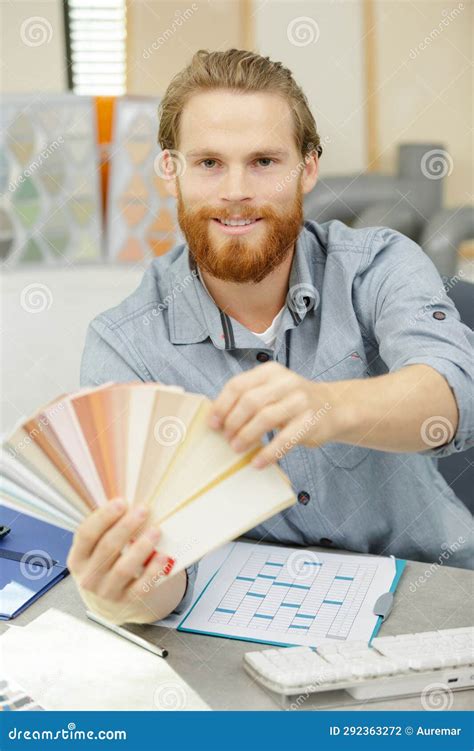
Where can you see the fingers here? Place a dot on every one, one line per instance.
(235, 387)
(131, 565)
(159, 567)
(250, 404)
(90, 532)
(290, 436)
(272, 416)
(110, 547)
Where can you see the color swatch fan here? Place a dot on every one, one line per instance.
(147, 443)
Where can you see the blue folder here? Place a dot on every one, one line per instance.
(33, 557)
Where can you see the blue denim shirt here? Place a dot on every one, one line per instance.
(361, 302)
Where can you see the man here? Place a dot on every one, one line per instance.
(338, 347)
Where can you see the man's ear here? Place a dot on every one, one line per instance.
(167, 172)
(309, 176)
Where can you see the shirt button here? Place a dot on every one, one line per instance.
(439, 315)
(263, 356)
(303, 497)
(325, 541)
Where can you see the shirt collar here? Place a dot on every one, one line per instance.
(194, 316)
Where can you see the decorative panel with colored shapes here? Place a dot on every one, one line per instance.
(50, 205)
(141, 215)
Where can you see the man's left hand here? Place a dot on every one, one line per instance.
(270, 397)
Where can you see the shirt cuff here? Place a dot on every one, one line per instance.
(185, 602)
(434, 428)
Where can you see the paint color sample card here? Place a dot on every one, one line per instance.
(141, 215)
(50, 209)
(289, 596)
(146, 443)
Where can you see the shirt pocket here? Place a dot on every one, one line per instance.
(352, 365)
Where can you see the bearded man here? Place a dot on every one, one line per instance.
(336, 347)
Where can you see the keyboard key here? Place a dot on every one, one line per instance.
(355, 664)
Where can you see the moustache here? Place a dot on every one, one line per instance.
(206, 213)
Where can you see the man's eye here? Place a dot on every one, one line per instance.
(265, 159)
(204, 161)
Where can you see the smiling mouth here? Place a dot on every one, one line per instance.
(237, 222)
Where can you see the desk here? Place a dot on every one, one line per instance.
(213, 666)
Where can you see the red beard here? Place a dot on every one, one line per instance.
(241, 258)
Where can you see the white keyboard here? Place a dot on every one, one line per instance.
(392, 666)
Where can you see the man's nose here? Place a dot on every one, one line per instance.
(234, 185)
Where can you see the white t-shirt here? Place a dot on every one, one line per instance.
(269, 335)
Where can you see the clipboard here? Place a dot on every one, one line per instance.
(400, 564)
(214, 595)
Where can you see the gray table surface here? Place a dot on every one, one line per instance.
(428, 597)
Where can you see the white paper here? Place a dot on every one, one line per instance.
(292, 596)
(206, 570)
(66, 664)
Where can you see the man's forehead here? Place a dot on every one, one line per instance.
(230, 114)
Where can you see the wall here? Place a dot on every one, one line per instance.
(424, 51)
(422, 54)
(33, 52)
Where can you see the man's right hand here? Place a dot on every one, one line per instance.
(116, 567)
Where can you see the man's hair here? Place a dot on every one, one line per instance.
(238, 70)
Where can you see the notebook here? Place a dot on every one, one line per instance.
(147, 443)
(32, 560)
